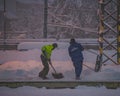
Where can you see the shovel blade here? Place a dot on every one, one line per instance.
(57, 75)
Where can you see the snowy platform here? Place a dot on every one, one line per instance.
(21, 68)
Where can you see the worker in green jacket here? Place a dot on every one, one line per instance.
(46, 59)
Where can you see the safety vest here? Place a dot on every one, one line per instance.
(48, 50)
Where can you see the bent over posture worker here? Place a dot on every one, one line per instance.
(75, 52)
(46, 59)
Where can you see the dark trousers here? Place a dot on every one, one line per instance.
(78, 68)
(45, 70)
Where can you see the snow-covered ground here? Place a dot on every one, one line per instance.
(25, 65)
(78, 91)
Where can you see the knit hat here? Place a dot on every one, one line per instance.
(72, 40)
(55, 45)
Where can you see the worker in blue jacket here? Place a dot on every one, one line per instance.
(75, 52)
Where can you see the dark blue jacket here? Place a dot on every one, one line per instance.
(75, 51)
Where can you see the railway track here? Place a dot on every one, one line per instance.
(60, 84)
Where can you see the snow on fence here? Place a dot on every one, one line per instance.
(25, 44)
(62, 43)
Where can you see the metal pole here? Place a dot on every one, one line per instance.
(45, 18)
(4, 24)
(118, 29)
(101, 29)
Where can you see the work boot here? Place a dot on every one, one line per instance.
(40, 75)
(77, 78)
(43, 77)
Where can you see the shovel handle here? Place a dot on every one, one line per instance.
(52, 67)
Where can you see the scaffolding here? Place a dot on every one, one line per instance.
(118, 29)
(108, 24)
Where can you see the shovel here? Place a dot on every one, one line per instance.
(55, 74)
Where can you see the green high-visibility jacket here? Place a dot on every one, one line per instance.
(47, 51)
